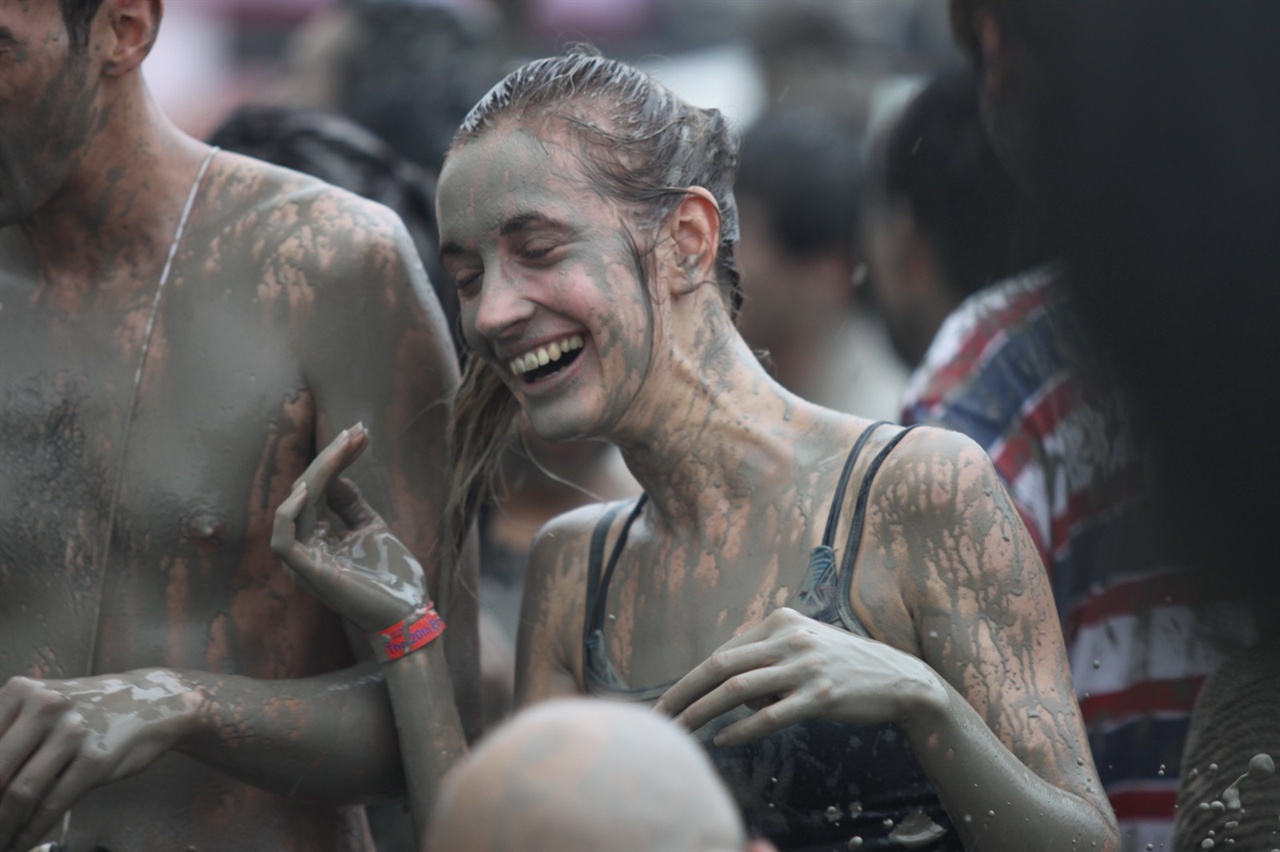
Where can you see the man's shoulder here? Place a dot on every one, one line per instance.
(294, 203)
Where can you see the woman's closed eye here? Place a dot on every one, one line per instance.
(464, 277)
(541, 251)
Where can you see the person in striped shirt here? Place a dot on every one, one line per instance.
(1011, 369)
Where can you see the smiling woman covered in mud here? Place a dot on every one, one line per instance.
(849, 615)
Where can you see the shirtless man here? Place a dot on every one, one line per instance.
(151, 419)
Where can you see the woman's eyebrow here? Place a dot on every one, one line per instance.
(520, 221)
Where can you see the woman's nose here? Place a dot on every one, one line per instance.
(501, 306)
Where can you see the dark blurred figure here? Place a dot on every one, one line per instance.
(940, 213)
(407, 71)
(798, 193)
(344, 154)
(1151, 136)
(1011, 368)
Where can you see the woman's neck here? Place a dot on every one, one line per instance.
(714, 431)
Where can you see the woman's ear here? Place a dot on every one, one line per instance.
(695, 232)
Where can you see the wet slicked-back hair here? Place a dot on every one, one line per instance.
(77, 16)
(639, 144)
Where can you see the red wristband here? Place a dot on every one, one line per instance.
(404, 637)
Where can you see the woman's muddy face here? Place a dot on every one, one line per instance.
(547, 281)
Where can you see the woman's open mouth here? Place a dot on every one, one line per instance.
(538, 364)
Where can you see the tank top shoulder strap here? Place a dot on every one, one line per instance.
(837, 501)
(857, 524)
(598, 584)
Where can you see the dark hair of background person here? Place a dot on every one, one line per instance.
(411, 71)
(338, 151)
(77, 16)
(937, 161)
(1155, 137)
(803, 163)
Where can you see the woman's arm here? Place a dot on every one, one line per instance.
(1006, 749)
(549, 644)
(972, 666)
(368, 575)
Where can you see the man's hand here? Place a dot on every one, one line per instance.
(61, 738)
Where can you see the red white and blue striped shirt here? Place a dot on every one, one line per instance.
(1005, 370)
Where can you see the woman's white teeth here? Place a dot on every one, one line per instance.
(544, 355)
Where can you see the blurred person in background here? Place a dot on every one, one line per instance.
(938, 215)
(578, 774)
(180, 328)
(405, 70)
(341, 152)
(798, 190)
(1149, 141)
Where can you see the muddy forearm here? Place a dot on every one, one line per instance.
(328, 738)
(431, 735)
(989, 793)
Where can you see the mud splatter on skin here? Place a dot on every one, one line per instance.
(279, 284)
(739, 475)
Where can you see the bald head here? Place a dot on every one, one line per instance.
(587, 775)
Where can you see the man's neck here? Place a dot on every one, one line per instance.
(114, 216)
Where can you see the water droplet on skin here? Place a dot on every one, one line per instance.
(991, 813)
(855, 842)
(1261, 767)
(834, 814)
(1206, 844)
(1079, 761)
(917, 831)
(1150, 846)
(1213, 767)
(1204, 806)
(968, 818)
(855, 809)
(1160, 771)
(888, 823)
(613, 617)
(933, 634)
(1217, 806)
(1097, 664)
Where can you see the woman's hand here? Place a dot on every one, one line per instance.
(362, 571)
(790, 668)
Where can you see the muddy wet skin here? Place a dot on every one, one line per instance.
(148, 636)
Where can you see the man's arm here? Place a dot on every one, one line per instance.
(376, 350)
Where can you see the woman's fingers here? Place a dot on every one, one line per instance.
(332, 460)
(345, 501)
(729, 661)
(754, 686)
(284, 530)
(774, 717)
